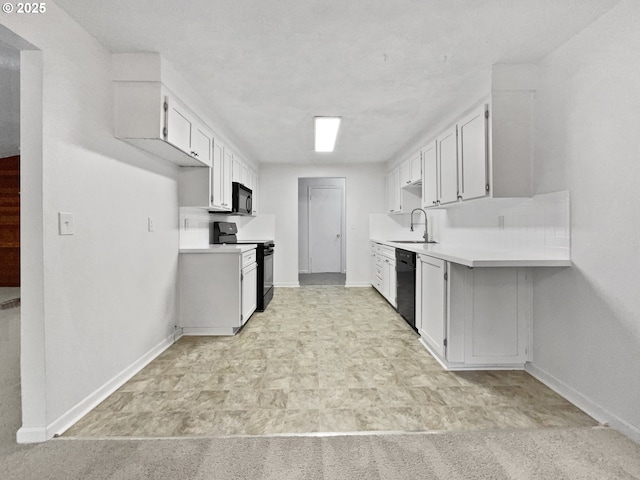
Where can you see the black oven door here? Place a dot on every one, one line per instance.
(241, 199)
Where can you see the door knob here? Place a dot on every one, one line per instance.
(338, 235)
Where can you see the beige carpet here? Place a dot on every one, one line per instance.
(583, 453)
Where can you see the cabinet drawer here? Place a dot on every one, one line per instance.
(379, 272)
(379, 261)
(388, 251)
(248, 258)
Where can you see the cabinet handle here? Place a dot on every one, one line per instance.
(435, 202)
(459, 197)
(408, 181)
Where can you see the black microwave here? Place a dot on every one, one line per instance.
(241, 199)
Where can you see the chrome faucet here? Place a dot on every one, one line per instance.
(426, 232)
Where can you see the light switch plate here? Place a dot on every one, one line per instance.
(65, 223)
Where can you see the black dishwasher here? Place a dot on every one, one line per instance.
(406, 285)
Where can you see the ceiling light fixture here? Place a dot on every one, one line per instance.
(326, 132)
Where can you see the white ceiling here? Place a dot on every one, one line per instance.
(390, 68)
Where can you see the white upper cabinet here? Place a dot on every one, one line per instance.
(447, 151)
(201, 142)
(208, 188)
(402, 197)
(416, 168)
(411, 171)
(472, 155)
(430, 183)
(221, 179)
(178, 125)
(393, 187)
(493, 149)
(184, 131)
(147, 116)
(236, 168)
(405, 173)
(245, 178)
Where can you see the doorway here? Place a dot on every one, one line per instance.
(321, 231)
(9, 241)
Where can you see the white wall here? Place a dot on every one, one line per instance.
(279, 195)
(104, 297)
(9, 101)
(587, 317)
(303, 218)
(196, 224)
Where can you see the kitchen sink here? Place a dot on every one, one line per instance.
(411, 241)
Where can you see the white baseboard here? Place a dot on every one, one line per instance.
(66, 420)
(592, 408)
(209, 331)
(455, 367)
(287, 285)
(32, 435)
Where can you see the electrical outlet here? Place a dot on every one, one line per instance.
(150, 224)
(65, 223)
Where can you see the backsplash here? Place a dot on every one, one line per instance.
(538, 223)
(541, 222)
(195, 226)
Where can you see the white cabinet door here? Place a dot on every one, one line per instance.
(201, 141)
(429, 176)
(226, 177)
(391, 192)
(246, 176)
(497, 330)
(385, 278)
(448, 166)
(472, 155)
(249, 291)
(254, 193)
(433, 303)
(179, 125)
(236, 169)
(391, 282)
(416, 168)
(397, 199)
(217, 177)
(372, 262)
(405, 173)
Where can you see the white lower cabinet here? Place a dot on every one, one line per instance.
(432, 321)
(383, 271)
(474, 318)
(249, 280)
(217, 291)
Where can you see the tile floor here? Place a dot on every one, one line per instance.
(320, 359)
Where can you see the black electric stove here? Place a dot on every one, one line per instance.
(226, 232)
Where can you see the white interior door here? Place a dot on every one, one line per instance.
(325, 229)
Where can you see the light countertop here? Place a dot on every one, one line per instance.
(473, 256)
(223, 248)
